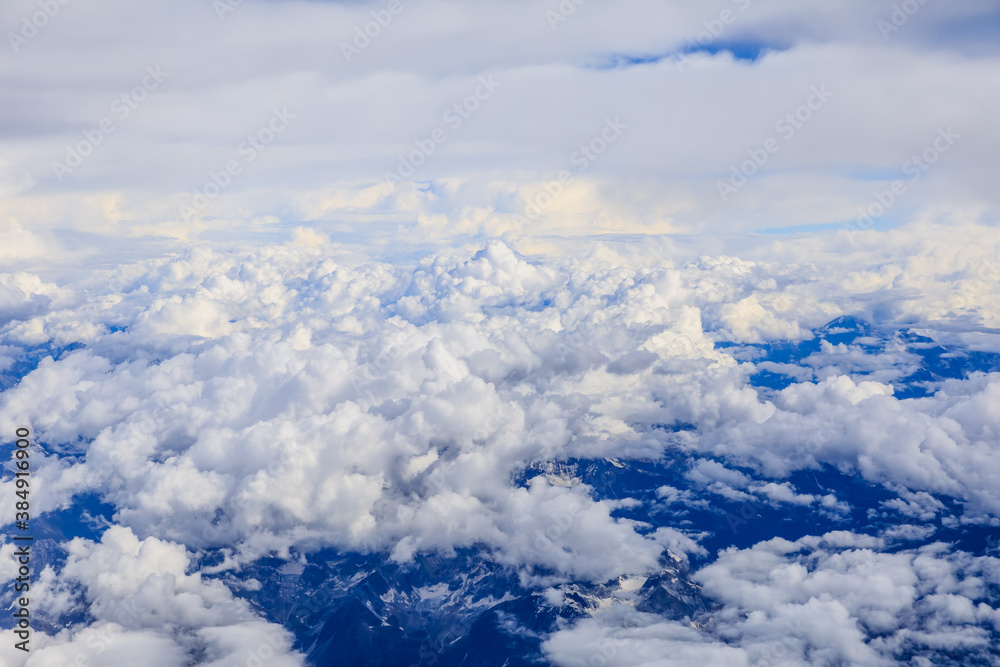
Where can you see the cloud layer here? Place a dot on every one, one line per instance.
(591, 291)
(173, 141)
(292, 397)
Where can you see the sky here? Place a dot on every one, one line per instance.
(278, 277)
(695, 90)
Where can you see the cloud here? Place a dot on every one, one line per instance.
(248, 375)
(144, 607)
(691, 121)
(818, 600)
(293, 397)
(259, 306)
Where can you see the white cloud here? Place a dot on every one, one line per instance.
(333, 400)
(689, 123)
(820, 600)
(384, 390)
(147, 609)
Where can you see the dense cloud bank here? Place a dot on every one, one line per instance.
(152, 134)
(295, 397)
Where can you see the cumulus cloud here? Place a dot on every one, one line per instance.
(553, 254)
(835, 599)
(252, 402)
(299, 397)
(144, 607)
